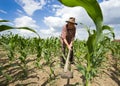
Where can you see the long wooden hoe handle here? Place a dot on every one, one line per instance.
(67, 62)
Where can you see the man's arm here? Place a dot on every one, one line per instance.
(71, 44)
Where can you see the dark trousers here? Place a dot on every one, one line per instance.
(65, 54)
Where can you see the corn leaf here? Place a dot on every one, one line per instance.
(5, 27)
(26, 28)
(90, 43)
(4, 21)
(106, 27)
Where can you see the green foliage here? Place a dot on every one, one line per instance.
(5, 27)
(4, 21)
(115, 48)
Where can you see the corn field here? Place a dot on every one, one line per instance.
(21, 57)
(19, 51)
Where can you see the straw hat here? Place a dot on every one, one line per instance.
(72, 20)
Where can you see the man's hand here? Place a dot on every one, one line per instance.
(69, 47)
(71, 44)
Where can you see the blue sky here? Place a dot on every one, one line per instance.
(48, 16)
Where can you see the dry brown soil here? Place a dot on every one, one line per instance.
(39, 77)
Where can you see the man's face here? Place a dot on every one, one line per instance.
(70, 25)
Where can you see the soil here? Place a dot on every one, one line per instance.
(41, 77)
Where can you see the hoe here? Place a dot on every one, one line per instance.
(67, 74)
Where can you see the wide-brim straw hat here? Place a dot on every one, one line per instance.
(72, 20)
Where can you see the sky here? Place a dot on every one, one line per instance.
(47, 17)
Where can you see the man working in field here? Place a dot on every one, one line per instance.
(67, 38)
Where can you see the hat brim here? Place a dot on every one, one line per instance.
(71, 22)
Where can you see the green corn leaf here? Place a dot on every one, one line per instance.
(91, 6)
(4, 21)
(90, 43)
(6, 46)
(5, 27)
(103, 35)
(26, 28)
(106, 27)
(82, 69)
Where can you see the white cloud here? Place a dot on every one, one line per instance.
(30, 6)
(110, 11)
(53, 21)
(44, 33)
(19, 11)
(81, 34)
(25, 21)
(2, 11)
(55, 24)
(78, 12)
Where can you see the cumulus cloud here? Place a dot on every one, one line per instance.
(110, 11)
(30, 6)
(44, 33)
(25, 21)
(54, 24)
(53, 21)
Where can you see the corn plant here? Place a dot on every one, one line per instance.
(7, 76)
(79, 51)
(116, 53)
(12, 44)
(23, 54)
(38, 46)
(48, 57)
(8, 44)
(93, 44)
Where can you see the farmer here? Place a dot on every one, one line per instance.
(67, 38)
